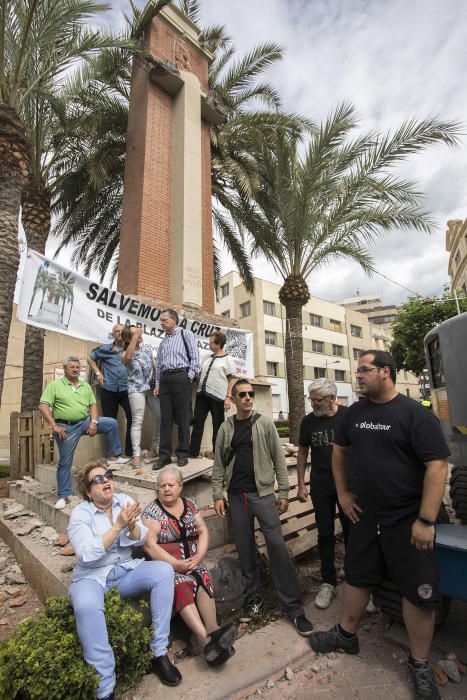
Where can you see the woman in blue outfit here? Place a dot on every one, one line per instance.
(102, 530)
(140, 364)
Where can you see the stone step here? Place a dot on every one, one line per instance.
(39, 498)
(40, 562)
(144, 485)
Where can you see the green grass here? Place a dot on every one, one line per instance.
(4, 470)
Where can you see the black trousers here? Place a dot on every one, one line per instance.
(204, 405)
(111, 400)
(324, 499)
(244, 508)
(175, 400)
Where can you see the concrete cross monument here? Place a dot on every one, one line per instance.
(166, 230)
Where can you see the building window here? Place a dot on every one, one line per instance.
(390, 318)
(317, 346)
(245, 309)
(407, 392)
(316, 320)
(338, 350)
(320, 373)
(269, 308)
(270, 337)
(339, 375)
(271, 369)
(356, 331)
(226, 313)
(356, 353)
(225, 289)
(336, 325)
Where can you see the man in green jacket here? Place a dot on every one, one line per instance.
(248, 460)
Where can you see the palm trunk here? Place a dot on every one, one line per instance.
(294, 366)
(14, 168)
(36, 221)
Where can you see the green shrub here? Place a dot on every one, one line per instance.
(43, 659)
(283, 430)
(4, 470)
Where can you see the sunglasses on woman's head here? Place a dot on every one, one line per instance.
(242, 394)
(100, 478)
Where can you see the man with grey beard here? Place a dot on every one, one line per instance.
(317, 435)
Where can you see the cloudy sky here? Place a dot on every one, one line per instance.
(393, 59)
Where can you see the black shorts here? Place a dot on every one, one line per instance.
(374, 552)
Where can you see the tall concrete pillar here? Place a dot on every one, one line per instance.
(166, 229)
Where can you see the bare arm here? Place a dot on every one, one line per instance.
(158, 553)
(96, 370)
(340, 472)
(203, 537)
(227, 401)
(46, 411)
(434, 483)
(301, 467)
(132, 347)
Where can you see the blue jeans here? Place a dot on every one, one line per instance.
(87, 598)
(66, 448)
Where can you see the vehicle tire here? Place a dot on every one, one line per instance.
(458, 492)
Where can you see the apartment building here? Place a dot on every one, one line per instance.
(326, 348)
(333, 337)
(456, 245)
(380, 319)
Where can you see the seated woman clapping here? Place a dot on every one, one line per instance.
(178, 535)
(102, 530)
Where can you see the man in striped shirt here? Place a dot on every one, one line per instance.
(177, 366)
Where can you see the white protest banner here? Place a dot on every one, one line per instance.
(56, 298)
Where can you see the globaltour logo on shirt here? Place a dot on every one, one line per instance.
(372, 426)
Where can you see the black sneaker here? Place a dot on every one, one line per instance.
(425, 686)
(303, 625)
(251, 610)
(333, 640)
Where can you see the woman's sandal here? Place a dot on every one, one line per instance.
(221, 640)
(222, 657)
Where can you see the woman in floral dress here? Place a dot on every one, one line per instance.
(178, 535)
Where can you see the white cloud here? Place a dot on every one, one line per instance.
(393, 60)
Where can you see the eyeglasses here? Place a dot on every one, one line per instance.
(365, 370)
(242, 394)
(100, 478)
(319, 400)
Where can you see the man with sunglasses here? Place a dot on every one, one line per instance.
(248, 460)
(317, 433)
(399, 469)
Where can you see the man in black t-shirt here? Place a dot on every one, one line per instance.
(399, 468)
(317, 432)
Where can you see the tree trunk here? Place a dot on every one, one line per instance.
(294, 366)
(14, 169)
(36, 217)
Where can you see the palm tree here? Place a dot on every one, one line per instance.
(90, 182)
(40, 40)
(331, 203)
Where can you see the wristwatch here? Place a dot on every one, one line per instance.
(425, 521)
(94, 420)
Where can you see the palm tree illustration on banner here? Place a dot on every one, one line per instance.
(57, 290)
(41, 284)
(64, 289)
